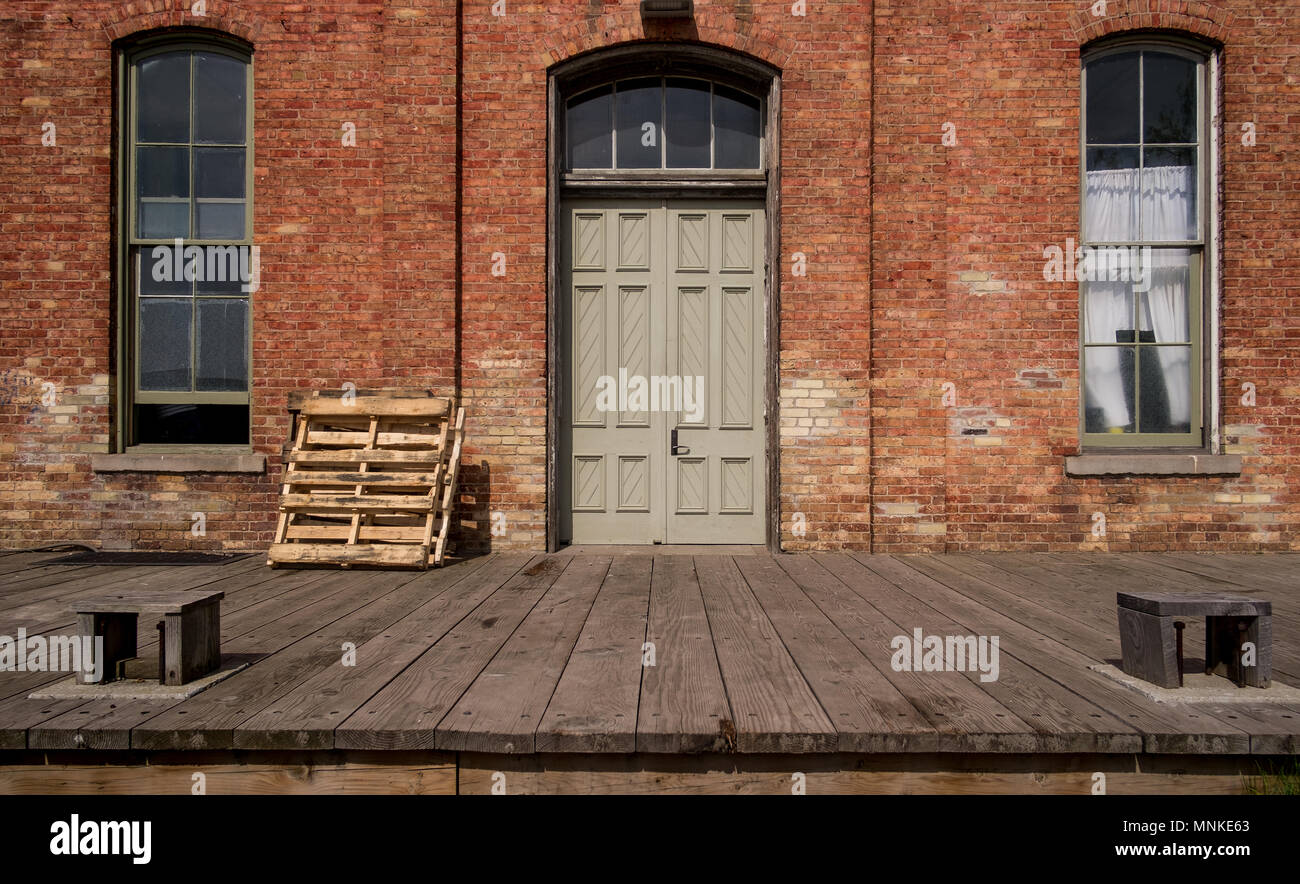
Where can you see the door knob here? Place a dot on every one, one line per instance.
(676, 449)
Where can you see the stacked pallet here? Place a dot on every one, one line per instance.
(371, 480)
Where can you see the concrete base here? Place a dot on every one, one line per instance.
(137, 689)
(1199, 687)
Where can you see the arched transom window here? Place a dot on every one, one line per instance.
(664, 123)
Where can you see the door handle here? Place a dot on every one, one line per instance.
(676, 449)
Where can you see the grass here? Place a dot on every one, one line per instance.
(1284, 780)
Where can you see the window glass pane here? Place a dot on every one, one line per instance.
(162, 171)
(1164, 296)
(1111, 194)
(637, 109)
(1108, 390)
(225, 270)
(164, 344)
(687, 126)
(219, 100)
(1112, 90)
(1169, 193)
(219, 220)
(189, 424)
(1169, 98)
(1166, 387)
(737, 129)
(151, 272)
(222, 344)
(1107, 312)
(160, 219)
(163, 98)
(219, 172)
(590, 130)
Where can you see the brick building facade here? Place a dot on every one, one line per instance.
(922, 383)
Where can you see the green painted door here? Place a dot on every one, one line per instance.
(663, 337)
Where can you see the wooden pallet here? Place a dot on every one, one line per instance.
(371, 481)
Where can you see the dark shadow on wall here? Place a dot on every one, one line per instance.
(471, 528)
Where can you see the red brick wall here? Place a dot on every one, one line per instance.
(924, 260)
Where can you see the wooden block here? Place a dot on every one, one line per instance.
(1222, 649)
(118, 632)
(162, 603)
(192, 644)
(1148, 647)
(1193, 604)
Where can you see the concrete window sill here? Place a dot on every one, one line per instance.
(1120, 464)
(200, 461)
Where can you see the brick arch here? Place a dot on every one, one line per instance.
(222, 16)
(714, 27)
(1205, 20)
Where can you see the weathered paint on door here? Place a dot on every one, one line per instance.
(662, 331)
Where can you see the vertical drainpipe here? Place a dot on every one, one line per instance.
(459, 250)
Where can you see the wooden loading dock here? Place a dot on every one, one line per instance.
(529, 673)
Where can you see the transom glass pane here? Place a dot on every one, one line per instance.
(663, 123)
(638, 106)
(687, 129)
(737, 127)
(590, 120)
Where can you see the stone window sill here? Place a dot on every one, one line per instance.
(171, 460)
(1147, 464)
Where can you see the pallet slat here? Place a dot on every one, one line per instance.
(376, 406)
(370, 482)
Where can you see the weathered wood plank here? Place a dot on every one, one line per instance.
(1104, 576)
(963, 717)
(14, 562)
(1061, 721)
(349, 554)
(47, 576)
(22, 683)
(1165, 730)
(594, 707)
(89, 726)
(372, 503)
(406, 712)
(776, 710)
(683, 704)
(839, 774)
(296, 646)
(375, 406)
(501, 709)
(305, 717)
(302, 774)
(868, 712)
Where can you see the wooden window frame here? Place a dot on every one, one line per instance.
(1202, 433)
(127, 241)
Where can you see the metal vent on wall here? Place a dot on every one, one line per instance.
(667, 8)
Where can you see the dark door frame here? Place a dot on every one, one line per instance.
(648, 59)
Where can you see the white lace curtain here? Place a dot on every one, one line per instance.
(1159, 207)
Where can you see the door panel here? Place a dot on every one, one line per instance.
(658, 294)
